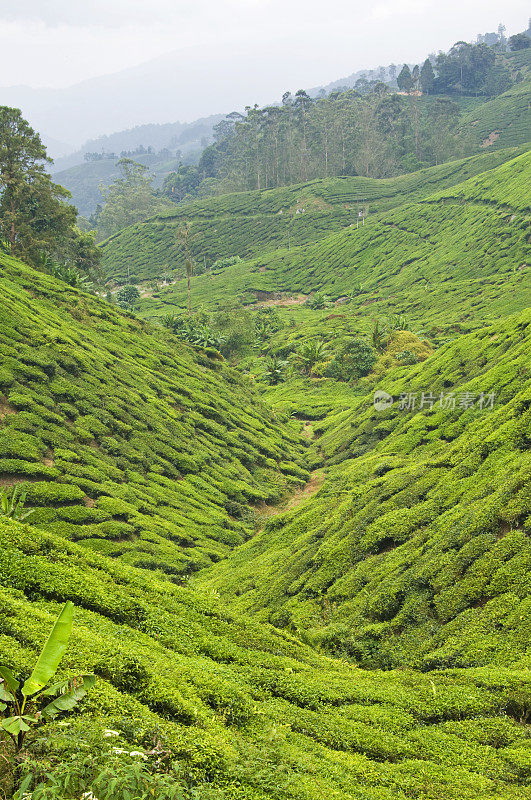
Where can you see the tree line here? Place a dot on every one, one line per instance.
(369, 129)
(377, 134)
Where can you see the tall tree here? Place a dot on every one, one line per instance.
(520, 41)
(129, 199)
(405, 80)
(36, 222)
(184, 238)
(427, 77)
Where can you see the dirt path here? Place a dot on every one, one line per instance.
(296, 499)
(282, 301)
(301, 494)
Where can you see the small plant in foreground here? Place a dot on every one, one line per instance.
(25, 702)
(12, 506)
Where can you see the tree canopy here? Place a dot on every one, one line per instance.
(36, 221)
(129, 199)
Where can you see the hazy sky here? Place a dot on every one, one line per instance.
(59, 42)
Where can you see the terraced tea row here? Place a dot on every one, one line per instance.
(126, 439)
(248, 223)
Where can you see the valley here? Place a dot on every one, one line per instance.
(274, 445)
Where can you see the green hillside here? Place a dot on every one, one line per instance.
(459, 256)
(416, 550)
(216, 707)
(288, 493)
(504, 121)
(248, 223)
(124, 438)
(137, 447)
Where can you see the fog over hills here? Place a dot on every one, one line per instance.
(177, 86)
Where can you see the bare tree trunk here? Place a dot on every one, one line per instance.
(12, 230)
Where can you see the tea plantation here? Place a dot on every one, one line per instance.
(502, 121)
(247, 223)
(459, 256)
(124, 438)
(242, 710)
(416, 550)
(295, 523)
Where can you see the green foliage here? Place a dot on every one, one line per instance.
(127, 297)
(182, 184)
(519, 41)
(12, 505)
(195, 698)
(154, 467)
(24, 700)
(36, 222)
(251, 224)
(502, 121)
(275, 371)
(462, 250)
(416, 550)
(404, 80)
(309, 354)
(229, 261)
(126, 439)
(130, 198)
(355, 359)
(317, 301)
(427, 77)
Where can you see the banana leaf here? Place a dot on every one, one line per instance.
(5, 695)
(11, 682)
(67, 701)
(15, 725)
(52, 652)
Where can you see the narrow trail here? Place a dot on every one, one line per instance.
(298, 497)
(301, 494)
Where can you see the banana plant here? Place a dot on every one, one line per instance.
(12, 506)
(32, 703)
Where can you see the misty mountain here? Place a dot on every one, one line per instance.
(180, 85)
(188, 138)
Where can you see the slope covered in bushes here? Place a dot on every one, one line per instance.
(126, 439)
(457, 256)
(248, 223)
(502, 121)
(191, 696)
(416, 550)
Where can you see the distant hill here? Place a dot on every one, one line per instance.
(178, 85)
(187, 137)
(96, 162)
(248, 223)
(463, 248)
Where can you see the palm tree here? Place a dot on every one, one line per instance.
(310, 353)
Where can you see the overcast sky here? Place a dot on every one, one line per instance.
(59, 42)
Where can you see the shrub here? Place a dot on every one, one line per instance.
(355, 359)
